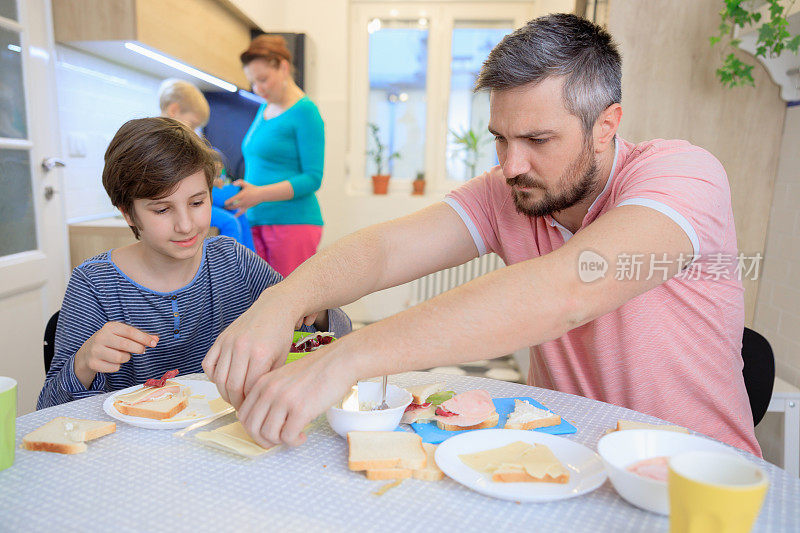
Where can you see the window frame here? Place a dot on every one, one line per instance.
(441, 17)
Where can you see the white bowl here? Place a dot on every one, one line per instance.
(342, 421)
(620, 449)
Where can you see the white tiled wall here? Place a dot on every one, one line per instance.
(777, 314)
(95, 97)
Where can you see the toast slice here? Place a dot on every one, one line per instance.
(377, 450)
(622, 425)
(431, 471)
(157, 403)
(420, 393)
(527, 416)
(66, 435)
(488, 423)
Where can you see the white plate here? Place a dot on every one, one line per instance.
(586, 471)
(198, 406)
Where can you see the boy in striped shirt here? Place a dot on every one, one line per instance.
(133, 313)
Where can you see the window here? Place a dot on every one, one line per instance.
(413, 69)
(398, 73)
(470, 146)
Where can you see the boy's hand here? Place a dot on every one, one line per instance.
(110, 347)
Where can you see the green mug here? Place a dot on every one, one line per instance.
(8, 417)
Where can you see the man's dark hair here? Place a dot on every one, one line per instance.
(148, 157)
(559, 45)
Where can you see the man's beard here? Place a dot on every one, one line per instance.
(552, 203)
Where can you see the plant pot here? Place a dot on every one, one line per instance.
(380, 183)
(418, 187)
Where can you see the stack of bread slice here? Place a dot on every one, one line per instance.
(66, 435)
(392, 455)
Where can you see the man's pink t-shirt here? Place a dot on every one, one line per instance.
(673, 352)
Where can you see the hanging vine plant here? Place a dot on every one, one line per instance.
(772, 39)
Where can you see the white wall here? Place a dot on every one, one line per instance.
(95, 97)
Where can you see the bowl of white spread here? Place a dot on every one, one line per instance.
(355, 412)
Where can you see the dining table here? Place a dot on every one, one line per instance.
(140, 479)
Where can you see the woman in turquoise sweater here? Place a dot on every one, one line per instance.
(284, 153)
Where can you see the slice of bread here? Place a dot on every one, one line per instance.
(155, 409)
(376, 450)
(490, 422)
(431, 471)
(527, 416)
(66, 435)
(622, 425)
(517, 474)
(421, 416)
(388, 473)
(420, 393)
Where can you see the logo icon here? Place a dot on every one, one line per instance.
(591, 266)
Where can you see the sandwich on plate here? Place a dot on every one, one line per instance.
(425, 399)
(157, 398)
(473, 409)
(518, 462)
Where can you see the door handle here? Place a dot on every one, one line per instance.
(50, 163)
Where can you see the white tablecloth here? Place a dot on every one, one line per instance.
(148, 480)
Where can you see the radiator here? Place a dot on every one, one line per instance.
(434, 284)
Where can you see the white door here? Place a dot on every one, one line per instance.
(33, 262)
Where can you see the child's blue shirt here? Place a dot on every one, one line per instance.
(186, 321)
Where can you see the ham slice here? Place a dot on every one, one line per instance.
(470, 408)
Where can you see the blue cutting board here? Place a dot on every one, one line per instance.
(430, 432)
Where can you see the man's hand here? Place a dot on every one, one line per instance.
(110, 347)
(284, 401)
(255, 343)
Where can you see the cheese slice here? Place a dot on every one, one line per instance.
(217, 405)
(486, 462)
(234, 438)
(537, 460)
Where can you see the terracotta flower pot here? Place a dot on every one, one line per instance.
(380, 183)
(418, 187)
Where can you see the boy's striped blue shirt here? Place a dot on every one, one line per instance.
(186, 321)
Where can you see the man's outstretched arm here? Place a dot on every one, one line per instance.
(375, 258)
(522, 305)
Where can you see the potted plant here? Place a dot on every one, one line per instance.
(469, 142)
(380, 181)
(418, 184)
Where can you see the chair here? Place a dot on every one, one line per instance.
(759, 372)
(50, 341)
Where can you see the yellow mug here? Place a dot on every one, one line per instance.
(714, 492)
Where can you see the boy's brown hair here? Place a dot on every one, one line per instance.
(148, 157)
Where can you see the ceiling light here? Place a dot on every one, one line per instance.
(199, 74)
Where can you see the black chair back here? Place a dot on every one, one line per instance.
(50, 341)
(759, 372)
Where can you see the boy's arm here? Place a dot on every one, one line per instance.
(80, 317)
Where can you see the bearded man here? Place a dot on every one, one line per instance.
(621, 271)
